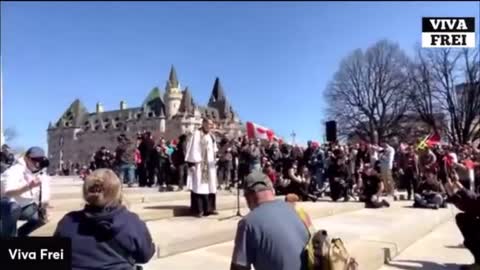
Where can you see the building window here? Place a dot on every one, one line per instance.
(150, 114)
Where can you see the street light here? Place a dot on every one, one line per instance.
(293, 135)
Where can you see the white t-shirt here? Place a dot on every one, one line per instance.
(373, 155)
(388, 157)
(17, 176)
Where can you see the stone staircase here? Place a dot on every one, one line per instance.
(373, 236)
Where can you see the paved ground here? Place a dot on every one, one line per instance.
(439, 250)
(368, 233)
(371, 235)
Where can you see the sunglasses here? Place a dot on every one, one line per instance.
(40, 162)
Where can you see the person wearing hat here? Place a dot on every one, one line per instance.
(272, 235)
(6, 158)
(24, 194)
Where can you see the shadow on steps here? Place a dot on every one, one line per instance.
(416, 265)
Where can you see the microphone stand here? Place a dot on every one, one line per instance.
(238, 214)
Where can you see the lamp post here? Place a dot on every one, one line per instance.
(293, 135)
(2, 135)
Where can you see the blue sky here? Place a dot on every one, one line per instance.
(274, 59)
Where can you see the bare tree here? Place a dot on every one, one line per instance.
(423, 93)
(447, 81)
(10, 134)
(367, 95)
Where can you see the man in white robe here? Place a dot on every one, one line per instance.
(202, 174)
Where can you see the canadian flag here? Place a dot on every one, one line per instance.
(255, 131)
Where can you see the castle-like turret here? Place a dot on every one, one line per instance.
(187, 105)
(173, 94)
(219, 101)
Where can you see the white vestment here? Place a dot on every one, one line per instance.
(199, 146)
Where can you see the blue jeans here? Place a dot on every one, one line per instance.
(319, 178)
(11, 212)
(424, 201)
(127, 173)
(255, 166)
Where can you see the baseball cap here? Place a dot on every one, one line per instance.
(257, 181)
(35, 152)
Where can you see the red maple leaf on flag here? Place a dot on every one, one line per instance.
(433, 140)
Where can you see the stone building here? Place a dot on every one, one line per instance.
(78, 133)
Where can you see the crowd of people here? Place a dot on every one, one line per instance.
(360, 171)
(201, 163)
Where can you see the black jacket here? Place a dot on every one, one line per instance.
(147, 148)
(467, 201)
(90, 228)
(6, 160)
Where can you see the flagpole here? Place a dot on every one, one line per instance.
(2, 135)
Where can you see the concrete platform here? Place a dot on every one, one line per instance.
(371, 235)
(440, 250)
(174, 235)
(178, 235)
(74, 201)
(148, 211)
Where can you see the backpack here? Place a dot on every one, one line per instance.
(323, 253)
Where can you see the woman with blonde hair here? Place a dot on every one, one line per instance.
(105, 234)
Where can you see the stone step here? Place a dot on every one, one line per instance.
(65, 192)
(441, 249)
(65, 180)
(148, 211)
(74, 200)
(177, 235)
(371, 235)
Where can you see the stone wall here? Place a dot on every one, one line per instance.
(79, 145)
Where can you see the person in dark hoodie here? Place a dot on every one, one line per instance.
(125, 159)
(372, 188)
(178, 160)
(468, 221)
(147, 166)
(105, 235)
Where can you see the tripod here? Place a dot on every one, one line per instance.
(238, 214)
